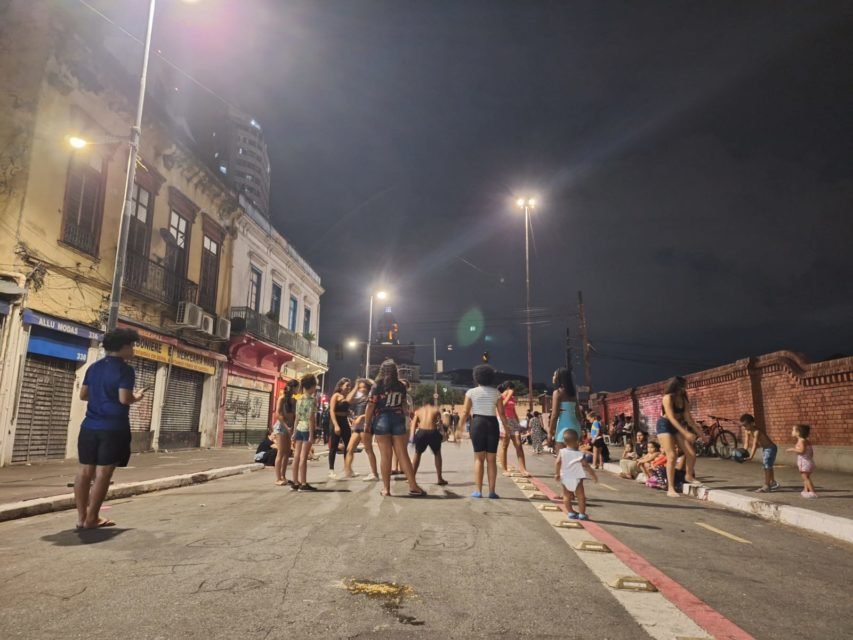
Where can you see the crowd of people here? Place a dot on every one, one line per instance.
(366, 411)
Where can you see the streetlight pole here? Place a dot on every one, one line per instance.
(381, 295)
(527, 204)
(369, 339)
(124, 221)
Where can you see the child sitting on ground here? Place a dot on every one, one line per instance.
(571, 470)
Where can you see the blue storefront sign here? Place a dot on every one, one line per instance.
(58, 338)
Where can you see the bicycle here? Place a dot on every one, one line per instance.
(715, 440)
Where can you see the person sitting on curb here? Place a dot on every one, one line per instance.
(645, 462)
(628, 463)
(757, 436)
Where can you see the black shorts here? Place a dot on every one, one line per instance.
(598, 443)
(485, 434)
(428, 438)
(104, 447)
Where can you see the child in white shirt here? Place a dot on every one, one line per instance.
(571, 470)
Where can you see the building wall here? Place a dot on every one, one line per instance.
(780, 389)
(255, 247)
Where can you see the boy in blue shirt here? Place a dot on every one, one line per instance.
(597, 438)
(104, 440)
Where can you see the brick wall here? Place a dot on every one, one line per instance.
(781, 388)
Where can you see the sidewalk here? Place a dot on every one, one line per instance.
(733, 485)
(41, 480)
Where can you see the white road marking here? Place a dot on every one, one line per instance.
(726, 534)
(659, 618)
(607, 486)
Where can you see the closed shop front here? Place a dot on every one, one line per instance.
(247, 410)
(55, 350)
(140, 412)
(179, 424)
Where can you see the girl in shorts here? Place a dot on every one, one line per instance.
(571, 470)
(676, 428)
(358, 406)
(303, 436)
(805, 458)
(484, 405)
(512, 432)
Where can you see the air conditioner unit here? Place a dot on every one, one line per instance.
(208, 323)
(223, 328)
(189, 315)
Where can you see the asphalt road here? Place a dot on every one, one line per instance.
(241, 558)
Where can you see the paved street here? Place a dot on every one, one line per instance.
(241, 558)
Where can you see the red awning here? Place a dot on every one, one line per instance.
(258, 356)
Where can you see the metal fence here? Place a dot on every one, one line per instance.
(268, 329)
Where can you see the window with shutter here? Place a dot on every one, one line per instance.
(81, 219)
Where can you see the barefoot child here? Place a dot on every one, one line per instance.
(805, 458)
(306, 425)
(571, 470)
(756, 437)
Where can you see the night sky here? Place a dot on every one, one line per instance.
(692, 163)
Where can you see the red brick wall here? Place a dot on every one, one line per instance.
(780, 388)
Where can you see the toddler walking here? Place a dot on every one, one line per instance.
(805, 458)
(571, 470)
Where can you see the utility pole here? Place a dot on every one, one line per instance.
(568, 349)
(587, 374)
(434, 373)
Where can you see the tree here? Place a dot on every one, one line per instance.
(422, 394)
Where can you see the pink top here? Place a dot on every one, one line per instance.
(509, 407)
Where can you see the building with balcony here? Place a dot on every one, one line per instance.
(275, 320)
(60, 209)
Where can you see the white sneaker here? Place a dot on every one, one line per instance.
(333, 475)
(370, 478)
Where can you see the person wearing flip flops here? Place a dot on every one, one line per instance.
(571, 470)
(104, 440)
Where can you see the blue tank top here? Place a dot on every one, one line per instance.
(568, 418)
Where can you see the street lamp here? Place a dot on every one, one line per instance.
(77, 142)
(381, 295)
(124, 221)
(527, 205)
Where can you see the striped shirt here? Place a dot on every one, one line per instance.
(483, 400)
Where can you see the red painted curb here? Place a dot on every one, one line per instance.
(701, 613)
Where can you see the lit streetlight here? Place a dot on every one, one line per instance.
(77, 142)
(527, 205)
(381, 295)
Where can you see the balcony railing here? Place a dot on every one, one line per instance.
(81, 239)
(154, 281)
(250, 321)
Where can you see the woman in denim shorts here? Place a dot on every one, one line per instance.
(385, 418)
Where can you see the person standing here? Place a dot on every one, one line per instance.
(445, 423)
(304, 432)
(571, 470)
(805, 458)
(565, 413)
(483, 403)
(756, 436)
(282, 430)
(104, 440)
(358, 406)
(512, 431)
(676, 428)
(339, 415)
(385, 417)
(597, 437)
(426, 423)
(537, 432)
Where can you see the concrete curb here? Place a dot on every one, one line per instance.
(37, 506)
(805, 519)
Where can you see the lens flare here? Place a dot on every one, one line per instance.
(469, 329)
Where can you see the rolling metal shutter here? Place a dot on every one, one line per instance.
(182, 409)
(140, 412)
(247, 414)
(41, 427)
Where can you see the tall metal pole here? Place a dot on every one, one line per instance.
(587, 374)
(434, 373)
(124, 221)
(529, 325)
(369, 339)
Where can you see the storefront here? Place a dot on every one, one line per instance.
(56, 348)
(247, 410)
(180, 382)
(253, 386)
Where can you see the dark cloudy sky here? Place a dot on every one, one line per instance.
(693, 162)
